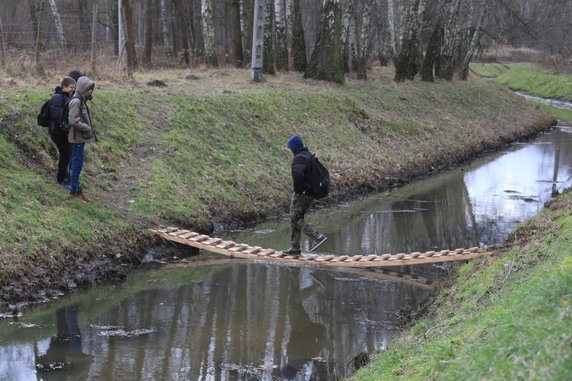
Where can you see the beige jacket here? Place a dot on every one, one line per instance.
(79, 119)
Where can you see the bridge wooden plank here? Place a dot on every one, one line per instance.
(225, 245)
(237, 250)
(188, 235)
(252, 250)
(212, 241)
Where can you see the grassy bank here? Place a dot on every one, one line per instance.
(503, 318)
(210, 148)
(533, 81)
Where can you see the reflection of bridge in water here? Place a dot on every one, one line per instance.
(244, 251)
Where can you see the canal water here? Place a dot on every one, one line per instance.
(219, 319)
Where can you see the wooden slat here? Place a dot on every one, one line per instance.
(188, 235)
(252, 250)
(238, 250)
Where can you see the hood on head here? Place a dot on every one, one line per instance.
(295, 143)
(83, 84)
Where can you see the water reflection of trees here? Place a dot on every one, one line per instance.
(246, 324)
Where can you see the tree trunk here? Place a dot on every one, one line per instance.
(362, 44)
(391, 27)
(182, 32)
(464, 72)
(58, 23)
(383, 43)
(38, 38)
(247, 20)
(129, 37)
(209, 33)
(451, 35)
(268, 58)
(167, 43)
(233, 14)
(197, 29)
(84, 26)
(258, 40)
(431, 56)
(281, 44)
(32, 6)
(407, 60)
(148, 50)
(299, 55)
(326, 61)
(2, 51)
(348, 28)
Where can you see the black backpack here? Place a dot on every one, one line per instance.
(65, 120)
(44, 118)
(320, 179)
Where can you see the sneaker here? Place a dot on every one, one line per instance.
(318, 241)
(292, 251)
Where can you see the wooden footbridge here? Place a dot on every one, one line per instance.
(244, 251)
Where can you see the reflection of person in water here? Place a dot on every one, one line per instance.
(64, 359)
(307, 338)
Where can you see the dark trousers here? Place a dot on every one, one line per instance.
(298, 207)
(64, 151)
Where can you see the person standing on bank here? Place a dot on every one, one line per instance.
(302, 198)
(62, 96)
(80, 132)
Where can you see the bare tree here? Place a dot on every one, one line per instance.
(258, 40)
(299, 55)
(148, 48)
(470, 49)
(2, 53)
(326, 61)
(451, 38)
(129, 37)
(182, 33)
(233, 16)
(84, 23)
(247, 18)
(58, 23)
(209, 33)
(281, 43)
(268, 58)
(406, 61)
(348, 35)
(362, 43)
(167, 41)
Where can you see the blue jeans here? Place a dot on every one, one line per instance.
(76, 166)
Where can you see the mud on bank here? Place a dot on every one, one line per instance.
(218, 159)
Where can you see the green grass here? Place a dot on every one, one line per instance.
(487, 70)
(505, 318)
(530, 80)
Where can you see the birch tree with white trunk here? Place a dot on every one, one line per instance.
(363, 41)
(167, 41)
(474, 40)
(209, 33)
(58, 23)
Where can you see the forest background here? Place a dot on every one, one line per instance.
(323, 39)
